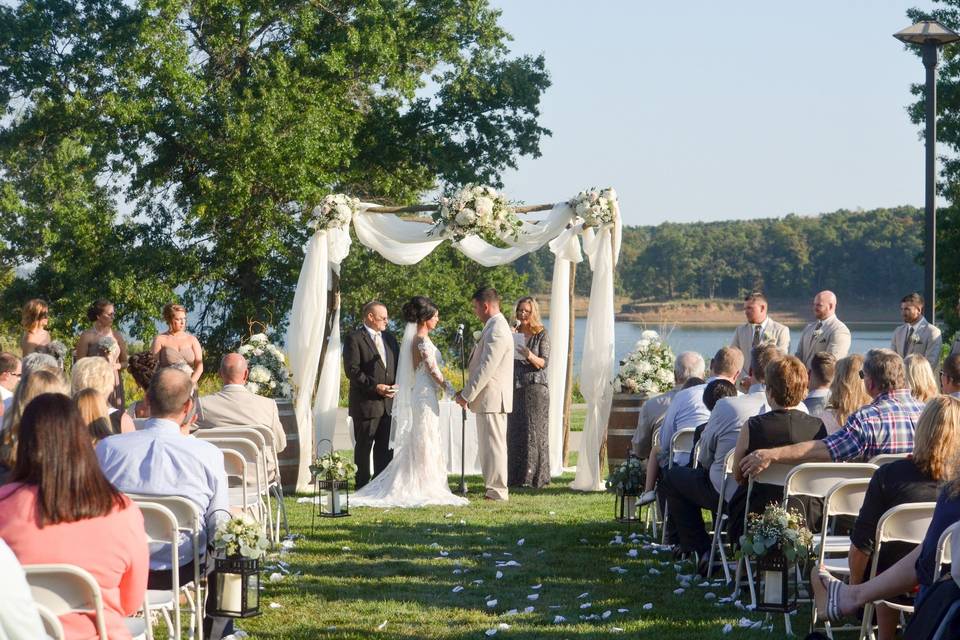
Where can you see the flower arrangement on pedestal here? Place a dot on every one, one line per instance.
(239, 544)
(476, 210)
(595, 206)
(269, 376)
(335, 210)
(648, 368)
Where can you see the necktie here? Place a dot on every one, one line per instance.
(756, 335)
(819, 325)
(906, 343)
(378, 343)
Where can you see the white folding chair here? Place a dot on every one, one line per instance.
(717, 545)
(162, 527)
(65, 588)
(680, 443)
(844, 499)
(51, 623)
(903, 523)
(886, 458)
(274, 484)
(239, 498)
(944, 553)
(190, 522)
(650, 519)
(774, 474)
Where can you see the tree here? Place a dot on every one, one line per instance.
(213, 127)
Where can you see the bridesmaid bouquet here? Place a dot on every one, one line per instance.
(268, 368)
(476, 210)
(648, 368)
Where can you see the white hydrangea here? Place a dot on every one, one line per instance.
(259, 374)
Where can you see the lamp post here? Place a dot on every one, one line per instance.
(930, 35)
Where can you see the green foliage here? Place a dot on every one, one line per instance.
(154, 149)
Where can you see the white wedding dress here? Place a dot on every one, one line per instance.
(417, 475)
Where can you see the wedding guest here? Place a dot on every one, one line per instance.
(686, 366)
(822, 368)
(916, 335)
(950, 376)
(34, 319)
(847, 392)
(141, 367)
(784, 425)
(177, 337)
(236, 406)
(59, 508)
(919, 376)
(98, 374)
(162, 459)
(528, 432)
(712, 394)
(825, 333)
(10, 372)
(915, 479)
(19, 618)
(106, 342)
(686, 410)
(758, 329)
(95, 413)
(34, 383)
(886, 425)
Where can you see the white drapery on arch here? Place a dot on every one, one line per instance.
(406, 242)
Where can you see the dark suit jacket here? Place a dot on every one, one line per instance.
(365, 371)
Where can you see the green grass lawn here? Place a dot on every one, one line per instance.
(350, 575)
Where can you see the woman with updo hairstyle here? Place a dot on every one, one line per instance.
(528, 429)
(34, 318)
(177, 337)
(142, 367)
(103, 341)
(419, 310)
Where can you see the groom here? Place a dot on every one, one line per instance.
(370, 361)
(489, 392)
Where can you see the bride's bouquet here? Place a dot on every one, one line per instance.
(476, 210)
(648, 368)
(595, 206)
(268, 368)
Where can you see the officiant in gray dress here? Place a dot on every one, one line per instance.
(528, 429)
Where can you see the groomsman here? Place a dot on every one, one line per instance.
(916, 335)
(759, 329)
(826, 333)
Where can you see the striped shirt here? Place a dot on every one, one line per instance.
(885, 425)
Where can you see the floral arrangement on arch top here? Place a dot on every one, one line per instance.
(268, 376)
(476, 210)
(596, 206)
(335, 210)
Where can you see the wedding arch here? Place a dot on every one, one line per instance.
(592, 217)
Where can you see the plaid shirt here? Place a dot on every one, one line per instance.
(884, 426)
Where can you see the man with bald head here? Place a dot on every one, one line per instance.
(825, 333)
(236, 406)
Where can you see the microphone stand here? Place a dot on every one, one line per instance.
(462, 489)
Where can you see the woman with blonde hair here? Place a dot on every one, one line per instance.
(98, 374)
(34, 318)
(920, 379)
(94, 411)
(177, 337)
(528, 432)
(33, 383)
(847, 392)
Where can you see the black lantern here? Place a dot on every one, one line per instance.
(779, 588)
(625, 507)
(237, 584)
(331, 497)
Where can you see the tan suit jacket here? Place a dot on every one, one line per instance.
(834, 337)
(774, 333)
(235, 406)
(490, 387)
(926, 341)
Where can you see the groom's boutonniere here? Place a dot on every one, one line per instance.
(915, 338)
(817, 333)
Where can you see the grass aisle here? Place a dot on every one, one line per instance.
(403, 567)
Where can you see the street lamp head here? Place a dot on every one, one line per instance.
(927, 32)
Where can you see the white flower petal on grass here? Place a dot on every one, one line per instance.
(606, 614)
(444, 554)
(503, 625)
(616, 630)
(632, 553)
(583, 540)
(457, 589)
(710, 595)
(276, 577)
(528, 610)
(345, 549)
(586, 605)
(533, 596)
(521, 542)
(621, 570)
(486, 555)
(678, 592)
(275, 605)
(648, 606)
(559, 619)
(745, 623)
(536, 586)
(512, 612)
(382, 626)
(499, 574)
(654, 572)
(492, 603)
(491, 632)
(622, 610)
(583, 595)
(727, 628)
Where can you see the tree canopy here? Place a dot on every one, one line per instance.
(166, 149)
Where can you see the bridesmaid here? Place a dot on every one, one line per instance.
(101, 313)
(177, 337)
(34, 319)
(528, 436)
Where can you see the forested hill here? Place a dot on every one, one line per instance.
(860, 255)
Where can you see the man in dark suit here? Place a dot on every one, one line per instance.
(370, 360)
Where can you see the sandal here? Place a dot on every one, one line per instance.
(828, 607)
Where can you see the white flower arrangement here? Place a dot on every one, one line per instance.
(333, 467)
(269, 376)
(595, 206)
(476, 210)
(648, 368)
(335, 210)
(240, 536)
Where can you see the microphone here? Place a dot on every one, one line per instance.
(458, 339)
(460, 330)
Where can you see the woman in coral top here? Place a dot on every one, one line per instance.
(59, 508)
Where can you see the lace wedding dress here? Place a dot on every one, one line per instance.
(417, 475)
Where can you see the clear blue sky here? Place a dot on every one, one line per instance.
(706, 110)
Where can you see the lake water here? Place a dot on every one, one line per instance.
(707, 339)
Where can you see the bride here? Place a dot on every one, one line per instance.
(417, 475)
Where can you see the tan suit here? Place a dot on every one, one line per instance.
(773, 333)
(926, 341)
(489, 394)
(235, 406)
(832, 337)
